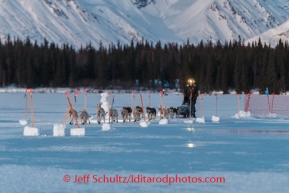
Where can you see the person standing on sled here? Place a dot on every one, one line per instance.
(191, 95)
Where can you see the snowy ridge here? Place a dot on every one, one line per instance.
(63, 21)
(13, 89)
(273, 36)
(229, 19)
(80, 22)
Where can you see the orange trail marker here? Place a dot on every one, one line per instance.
(162, 108)
(201, 97)
(132, 100)
(67, 112)
(142, 108)
(191, 95)
(272, 107)
(108, 98)
(76, 93)
(31, 107)
(149, 97)
(216, 104)
(26, 101)
(108, 95)
(239, 105)
(84, 99)
(268, 104)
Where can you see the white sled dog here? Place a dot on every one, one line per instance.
(84, 117)
(113, 115)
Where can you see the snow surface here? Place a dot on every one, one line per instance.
(143, 123)
(80, 22)
(200, 120)
(215, 119)
(77, 131)
(189, 121)
(250, 152)
(23, 122)
(106, 127)
(163, 121)
(242, 114)
(30, 131)
(59, 130)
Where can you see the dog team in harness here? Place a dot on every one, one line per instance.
(186, 110)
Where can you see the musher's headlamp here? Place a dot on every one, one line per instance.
(191, 81)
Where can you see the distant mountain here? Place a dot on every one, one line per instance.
(142, 3)
(273, 36)
(80, 22)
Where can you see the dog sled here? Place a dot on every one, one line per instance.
(183, 111)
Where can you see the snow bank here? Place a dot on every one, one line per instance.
(189, 121)
(242, 114)
(217, 92)
(13, 89)
(77, 132)
(255, 91)
(272, 115)
(30, 131)
(59, 130)
(105, 127)
(215, 119)
(200, 120)
(163, 121)
(24, 122)
(144, 124)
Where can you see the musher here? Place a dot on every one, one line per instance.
(191, 95)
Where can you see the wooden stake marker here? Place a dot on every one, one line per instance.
(216, 119)
(25, 121)
(149, 98)
(132, 100)
(31, 131)
(201, 119)
(84, 99)
(163, 121)
(143, 123)
(239, 105)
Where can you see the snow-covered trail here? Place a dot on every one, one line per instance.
(250, 153)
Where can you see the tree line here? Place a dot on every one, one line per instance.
(232, 65)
